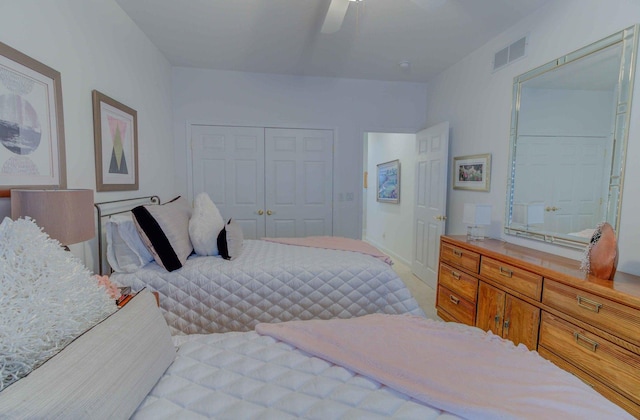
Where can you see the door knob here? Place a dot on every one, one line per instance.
(269, 212)
(260, 212)
(440, 217)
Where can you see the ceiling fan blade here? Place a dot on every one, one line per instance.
(429, 4)
(335, 16)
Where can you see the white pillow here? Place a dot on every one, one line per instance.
(125, 250)
(48, 298)
(164, 230)
(105, 373)
(205, 225)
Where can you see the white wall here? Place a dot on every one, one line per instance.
(390, 226)
(477, 103)
(350, 107)
(94, 45)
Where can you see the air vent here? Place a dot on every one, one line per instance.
(510, 54)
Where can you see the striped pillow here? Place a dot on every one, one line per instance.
(164, 230)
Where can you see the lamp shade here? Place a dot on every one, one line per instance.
(477, 214)
(65, 215)
(528, 213)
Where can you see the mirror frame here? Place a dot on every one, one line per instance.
(624, 92)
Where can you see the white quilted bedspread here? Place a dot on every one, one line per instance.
(245, 375)
(271, 282)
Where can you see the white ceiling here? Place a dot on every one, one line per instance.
(283, 36)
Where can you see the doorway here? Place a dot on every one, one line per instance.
(387, 225)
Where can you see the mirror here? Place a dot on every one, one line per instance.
(569, 129)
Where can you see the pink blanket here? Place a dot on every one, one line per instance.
(449, 366)
(335, 242)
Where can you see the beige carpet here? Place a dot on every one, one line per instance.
(424, 294)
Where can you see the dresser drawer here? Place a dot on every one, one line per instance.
(456, 306)
(514, 278)
(610, 364)
(460, 257)
(456, 281)
(619, 320)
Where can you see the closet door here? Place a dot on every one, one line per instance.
(228, 164)
(299, 182)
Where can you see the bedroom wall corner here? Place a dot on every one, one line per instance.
(95, 45)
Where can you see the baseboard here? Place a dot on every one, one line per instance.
(390, 253)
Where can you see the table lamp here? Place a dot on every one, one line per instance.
(65, 215)
(476, 216)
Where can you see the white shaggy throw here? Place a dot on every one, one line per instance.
(47, 298)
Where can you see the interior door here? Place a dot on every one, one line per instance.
(228, 164)
(430, 209)
(299, 182)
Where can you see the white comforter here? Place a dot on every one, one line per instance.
(245, 375)
(271, 282)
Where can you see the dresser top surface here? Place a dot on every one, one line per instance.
(623, 286)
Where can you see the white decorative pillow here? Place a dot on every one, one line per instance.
(47, 298)
(125, 250)
(104, 373)
(164, 229)
(205, 225)
(230, 240)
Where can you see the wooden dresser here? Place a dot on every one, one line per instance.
(587, 326)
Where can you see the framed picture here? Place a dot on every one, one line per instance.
(472, 172)
(389, 182)
(115, 132)
(32, 153)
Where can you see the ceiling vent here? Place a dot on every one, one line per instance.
(509, 54)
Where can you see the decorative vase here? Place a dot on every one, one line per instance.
(601, 256)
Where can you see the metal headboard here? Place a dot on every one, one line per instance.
(118, 207)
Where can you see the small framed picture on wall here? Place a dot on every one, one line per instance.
(388, 176)
(472, 172)
(115, 130)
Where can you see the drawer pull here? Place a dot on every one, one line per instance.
(505, 272)
(589, 304)
(457, 253)
(507, 324)
(455, 275)
(496, 319)
(454, 299)
(590, 344)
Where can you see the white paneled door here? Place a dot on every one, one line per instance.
(298, 179)
(432, 151)
(274, 182)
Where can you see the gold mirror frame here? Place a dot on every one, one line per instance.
(628, 40)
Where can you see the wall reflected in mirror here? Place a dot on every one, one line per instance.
(568, 140)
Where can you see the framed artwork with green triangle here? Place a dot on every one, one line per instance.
(115, 131)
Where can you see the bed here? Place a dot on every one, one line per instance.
(266, 282)
(127, 365)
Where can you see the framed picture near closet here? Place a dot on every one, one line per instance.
(115, 132)
(32, 152)
(388, 176)
(472, 172)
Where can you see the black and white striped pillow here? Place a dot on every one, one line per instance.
(164, 230)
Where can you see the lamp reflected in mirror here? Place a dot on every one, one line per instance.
(529, 215)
